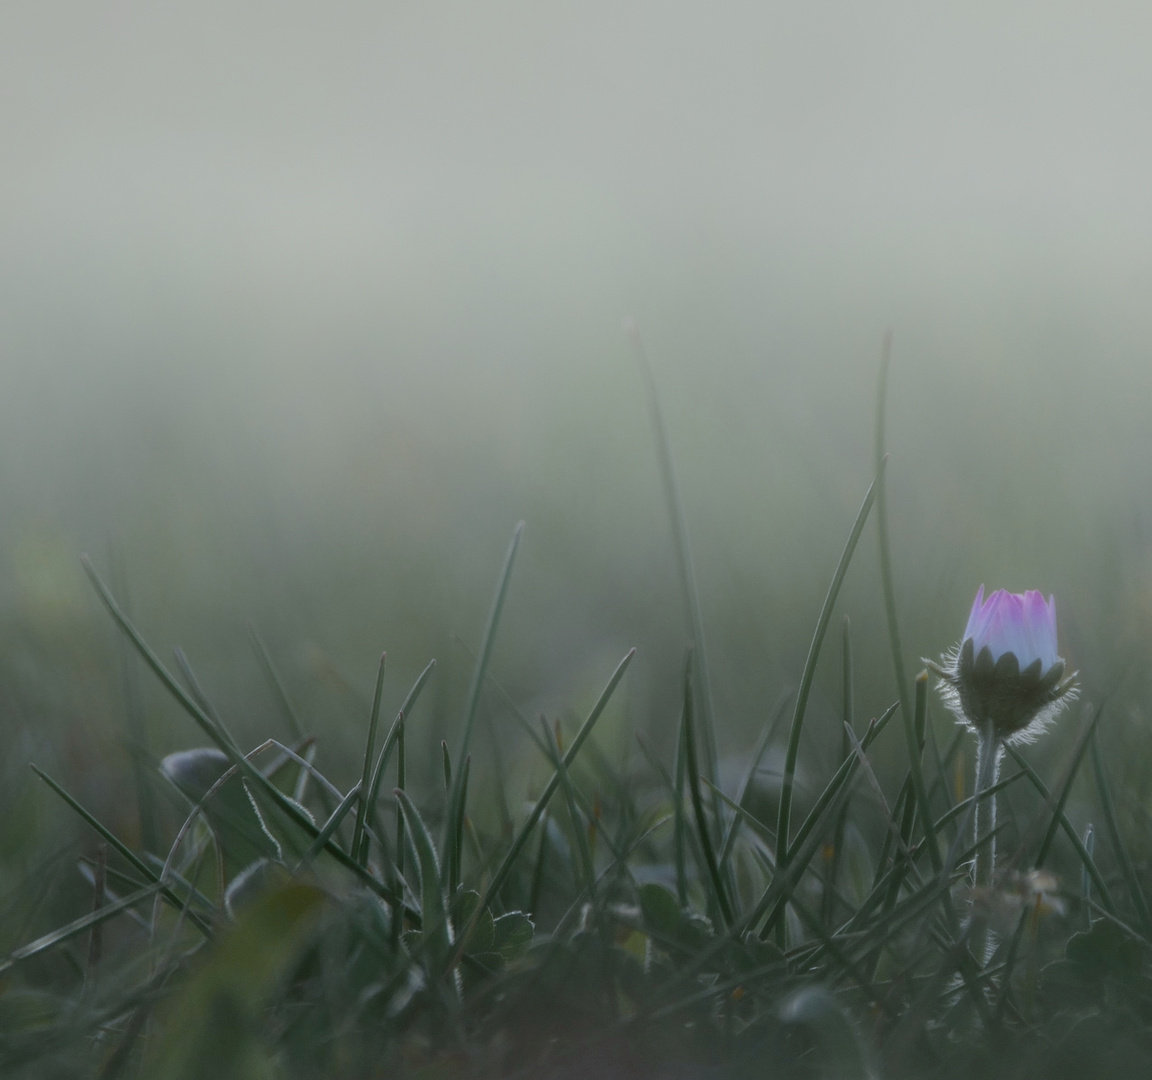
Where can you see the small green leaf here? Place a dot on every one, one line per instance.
(660, 909)
(513, 935)
(482, 937)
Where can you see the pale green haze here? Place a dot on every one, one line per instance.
(304, 306)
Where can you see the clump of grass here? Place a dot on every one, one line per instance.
(641, 921)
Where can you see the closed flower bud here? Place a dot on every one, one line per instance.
(1004, 678)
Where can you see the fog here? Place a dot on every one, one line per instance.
(303, 307)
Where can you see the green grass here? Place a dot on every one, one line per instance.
(629, 914)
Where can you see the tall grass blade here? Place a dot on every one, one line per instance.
(882, 532)
(512, 854)
(476, 686)
(330, 826)
(686, 571)
(276, 683)
(394, 739)
(78, 926)
(766, 737)
(1118, 845)
(436, 929)
(366, 769)
(693, 772)
(783, 820)
(134, 718)
(258, 780)
(118, 845)
(1087, 860)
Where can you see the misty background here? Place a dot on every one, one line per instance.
(303, 307)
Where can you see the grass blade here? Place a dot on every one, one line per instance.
(365, 772)
(1118, 845)
(276, 683)
(788, 782)
(476, 687)
(394, 739)
(684, 566)
(134, 719)
(914, 734)
(882, 532)
(78, 926)
(758, 753)
(205, 723)
(142, 867)
(693, 773)
(436, 929)
(513, 852)
(330, 826)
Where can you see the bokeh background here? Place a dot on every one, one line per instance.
(303, 307)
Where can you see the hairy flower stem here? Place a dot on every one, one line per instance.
(989, 754)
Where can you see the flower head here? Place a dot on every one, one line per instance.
(1006, 672)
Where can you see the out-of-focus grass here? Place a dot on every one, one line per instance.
(558, 905)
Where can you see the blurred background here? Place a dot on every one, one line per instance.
(303, 307)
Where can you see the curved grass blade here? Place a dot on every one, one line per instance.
(784, 817)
